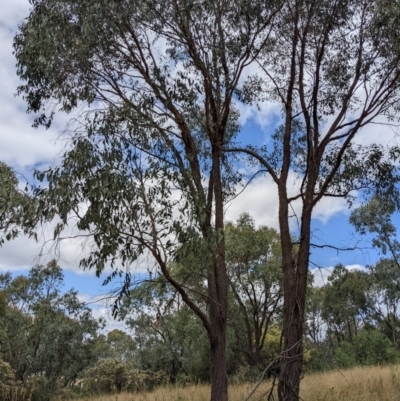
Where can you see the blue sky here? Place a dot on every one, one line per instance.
(23, 148)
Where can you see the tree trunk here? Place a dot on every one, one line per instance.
(295, 270)
(218, 295)
(292, 358)
(218, 307)
(219, 378)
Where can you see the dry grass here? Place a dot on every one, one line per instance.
(358, 384)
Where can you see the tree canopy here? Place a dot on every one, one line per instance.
(152, 160)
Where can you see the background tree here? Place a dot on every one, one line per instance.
(375, 217)
(121, 345)
(168, 337)
(345, 303)
(47, 337)
(348, 320)
(385, 296)
(254, 260)
(315, 321)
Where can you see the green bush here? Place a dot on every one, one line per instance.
(372, 347)
(369, 347)
(345, 355)
(320, 358)
(41, 388)
(9, 389)
(113, 376)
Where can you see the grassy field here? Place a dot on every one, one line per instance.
(358, 384)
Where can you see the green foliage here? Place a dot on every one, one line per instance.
(254, 262)
(272, 346)
(165, 121)
(370, 347)
(320, 356)
(9, 389)
(345, 302)
(353, 319)
(47, 337)
(374, 348)
(13, 205)
(157, 132)
(375, 218)
(168, 337)
(111, 376)
(345, 356)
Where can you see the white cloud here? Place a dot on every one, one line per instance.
(264, 115)
(101, 306)
(22, 253)
(328, 207)
(322, 274)
(260, 200)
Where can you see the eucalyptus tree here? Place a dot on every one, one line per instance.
(160, 79)
(45, 333)
(334, 70)
(346, 305)
(375, 217)
(12, 199)
(254, 257)
(145, 170)
(384, 296)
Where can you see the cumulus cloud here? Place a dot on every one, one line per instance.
(260, 200)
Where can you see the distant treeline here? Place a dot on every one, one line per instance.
(51, 346)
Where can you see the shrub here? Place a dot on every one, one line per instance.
(369, 347)
(345, 356)
(9, 389)
(319, 358)
(113, 376)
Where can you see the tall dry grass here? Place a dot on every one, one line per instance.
(357, 384)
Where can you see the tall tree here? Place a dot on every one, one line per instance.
(334, 71)
(375, 217)
(147, 159)
(162, 79)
